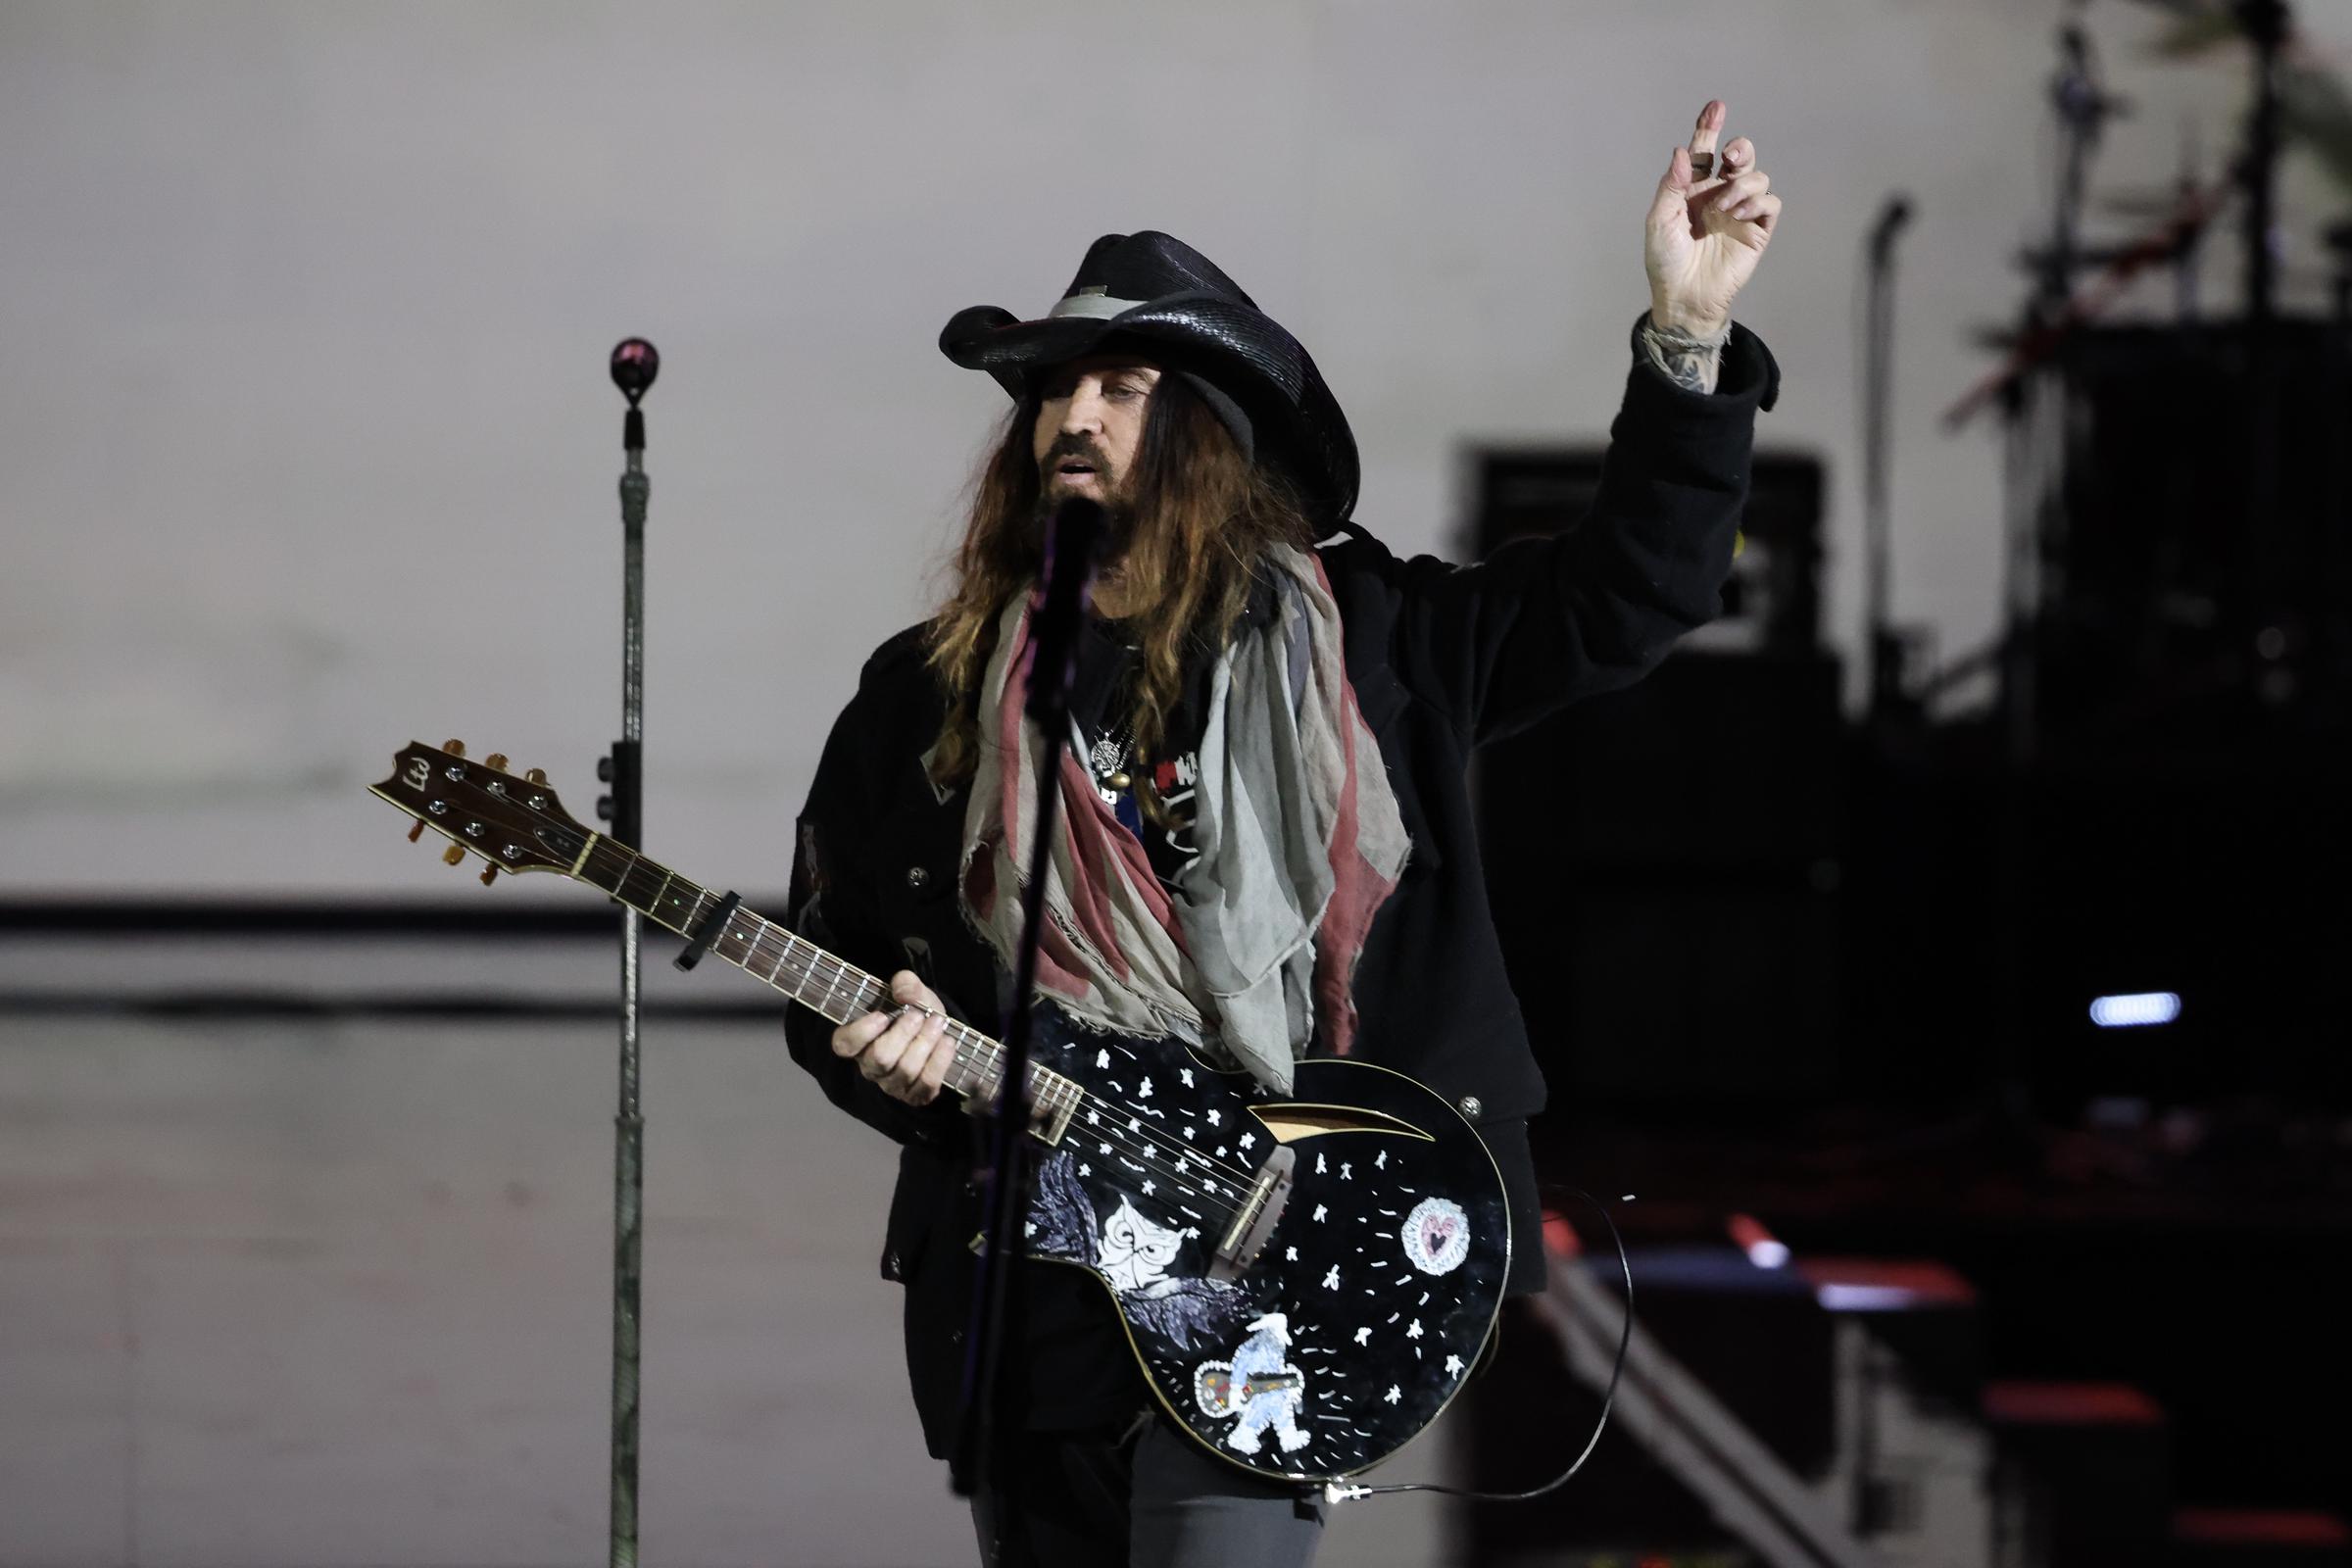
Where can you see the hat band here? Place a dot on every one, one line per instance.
(1098, 307)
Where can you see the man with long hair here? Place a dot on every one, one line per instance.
(1266, 849)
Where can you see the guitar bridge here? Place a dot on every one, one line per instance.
(1256, 1222)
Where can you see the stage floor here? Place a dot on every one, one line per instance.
(338, 1293)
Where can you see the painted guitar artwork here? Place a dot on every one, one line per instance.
(1306, 1277)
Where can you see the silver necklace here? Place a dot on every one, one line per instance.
(1108, 756)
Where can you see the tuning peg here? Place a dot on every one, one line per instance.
(453, 748)
(604, 807)
(496, 761)
(537, 775)
(416, 832)
(453, 855)
(489, 875)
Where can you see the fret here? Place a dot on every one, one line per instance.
(807, 983)
(962, 1072)
(845, 993)
(682, 915)
(621, 888)
(800, 982)
(801, 969)
(761, 948)
(776, 967)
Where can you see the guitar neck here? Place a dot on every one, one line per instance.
(800, 968)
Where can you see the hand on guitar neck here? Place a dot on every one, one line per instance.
(903, 1052)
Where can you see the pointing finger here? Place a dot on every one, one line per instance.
(1710, 126)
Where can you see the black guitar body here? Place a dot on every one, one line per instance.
(1306, 1277)
(1353, 1320)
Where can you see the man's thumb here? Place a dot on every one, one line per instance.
(1674, 185)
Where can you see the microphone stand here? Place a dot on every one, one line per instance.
(1887, 687)
(635, 364)
(1071, 540)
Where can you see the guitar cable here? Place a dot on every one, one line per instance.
(1334, 1491)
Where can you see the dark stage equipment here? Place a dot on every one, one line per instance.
(2170, 613)
(1671, 890)
(2169, 730)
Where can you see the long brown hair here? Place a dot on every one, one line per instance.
(1198, 516)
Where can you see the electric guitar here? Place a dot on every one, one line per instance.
(1305, 1279)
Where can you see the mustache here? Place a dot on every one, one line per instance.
(1071, 445)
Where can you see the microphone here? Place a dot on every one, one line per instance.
(1073, 539)
(1891, 219)
(635, 364)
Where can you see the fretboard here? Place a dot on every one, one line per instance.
(794, 965)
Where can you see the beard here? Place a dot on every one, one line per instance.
(1119, 524)
(1117, 499)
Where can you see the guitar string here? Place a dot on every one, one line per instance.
(863, 988)
(1139, 1140)
(866, 991)
(969, 1041)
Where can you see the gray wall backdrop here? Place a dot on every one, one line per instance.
(308, 447)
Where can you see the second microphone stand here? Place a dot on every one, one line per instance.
(635, 362)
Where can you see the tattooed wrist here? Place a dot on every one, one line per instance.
(1690, 359)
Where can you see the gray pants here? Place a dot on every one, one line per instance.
(1146, 1497)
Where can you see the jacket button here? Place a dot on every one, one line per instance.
(916, 876)
(1469, 1107)
(893, 1267)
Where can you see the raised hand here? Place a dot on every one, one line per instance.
(1705, 236)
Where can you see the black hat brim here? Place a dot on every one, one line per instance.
(1235, 348)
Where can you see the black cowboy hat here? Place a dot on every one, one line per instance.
(1158, 297)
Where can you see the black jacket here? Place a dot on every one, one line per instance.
(1443, 658)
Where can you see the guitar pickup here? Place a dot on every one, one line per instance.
(1259, 1212)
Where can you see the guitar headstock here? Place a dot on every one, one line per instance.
(515, 823)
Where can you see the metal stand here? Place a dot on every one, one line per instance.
(2270, 601)
(1886, 660)
(634, 366)
(1071, 540)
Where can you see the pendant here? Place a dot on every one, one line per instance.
(1119, 781)
(1107, 754)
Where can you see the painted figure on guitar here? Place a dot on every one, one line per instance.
(1306, 1277)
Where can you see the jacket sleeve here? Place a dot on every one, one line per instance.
(1541, 622)
(827, 912)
